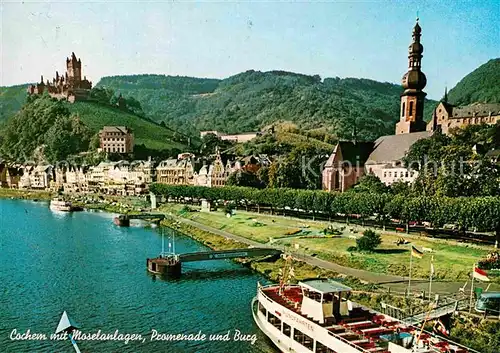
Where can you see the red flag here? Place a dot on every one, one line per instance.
(480, 274)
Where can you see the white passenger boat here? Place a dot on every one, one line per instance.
(317, 316)
(61, 205)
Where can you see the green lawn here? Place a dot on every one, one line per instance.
(256, 226)
(452, 260)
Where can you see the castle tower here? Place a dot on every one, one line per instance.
(74, 69)
(414, 81)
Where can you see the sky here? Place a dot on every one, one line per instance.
(220, 39)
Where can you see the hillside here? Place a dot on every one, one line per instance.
(11, 100)
(152, 135)
(481, 85)
(252, 99)
(66, 129)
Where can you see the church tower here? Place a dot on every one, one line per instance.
(414, 81)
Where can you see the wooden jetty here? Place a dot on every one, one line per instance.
(171, 264)
(123, 220)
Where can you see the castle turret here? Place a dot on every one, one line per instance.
(74, 70)
(413, 81)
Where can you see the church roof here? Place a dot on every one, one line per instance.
(476, 109)
(352, 152)
(394, 147)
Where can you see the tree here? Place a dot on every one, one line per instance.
(244, 178)
(102, 95)
(370, 183)
(369, 241)
(210, 142)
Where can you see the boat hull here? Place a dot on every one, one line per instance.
(62, 208)
(163, 267)
(276, 340)
(121, 221)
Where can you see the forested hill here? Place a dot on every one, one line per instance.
(252, 99)
(481, 85)
(11, 100)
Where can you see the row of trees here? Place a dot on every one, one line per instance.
(482, 213)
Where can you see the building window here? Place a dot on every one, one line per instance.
(385, 174)
(411, 109)
(303, 339)
(403, 110)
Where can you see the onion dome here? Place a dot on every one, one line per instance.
(414, 79)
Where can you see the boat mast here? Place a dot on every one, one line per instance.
(162, 243)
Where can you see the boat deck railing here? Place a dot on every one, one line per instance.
(340, 338)
(394, 323)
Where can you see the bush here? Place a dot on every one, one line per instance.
(184, 210)
(369, 241)
(228, 208)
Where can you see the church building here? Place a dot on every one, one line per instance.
(383, 157)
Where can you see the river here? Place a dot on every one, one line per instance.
(83, 264)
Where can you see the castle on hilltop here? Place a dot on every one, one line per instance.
(70, 87)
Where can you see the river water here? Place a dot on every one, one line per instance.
(83, 264)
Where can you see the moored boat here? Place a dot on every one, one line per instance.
(166, 265)
(317, 316)
(61, 205)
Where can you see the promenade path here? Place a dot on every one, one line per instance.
(396, 283)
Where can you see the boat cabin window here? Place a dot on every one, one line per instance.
(303, 339)
(327, 298)
(321, 348)
(274, 320)
(312, 295)
(287, 330)
(262, 309)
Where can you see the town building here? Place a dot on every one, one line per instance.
(215, 174)
(144, 171)
(236, 138)
(9, 175)
(76, 180)
(175, 172)
(116, 139)
(346, 165)
(447, 117)
(70, 87)
(39, 177)
(384, 157)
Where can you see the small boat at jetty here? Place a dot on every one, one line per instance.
(167, 263)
